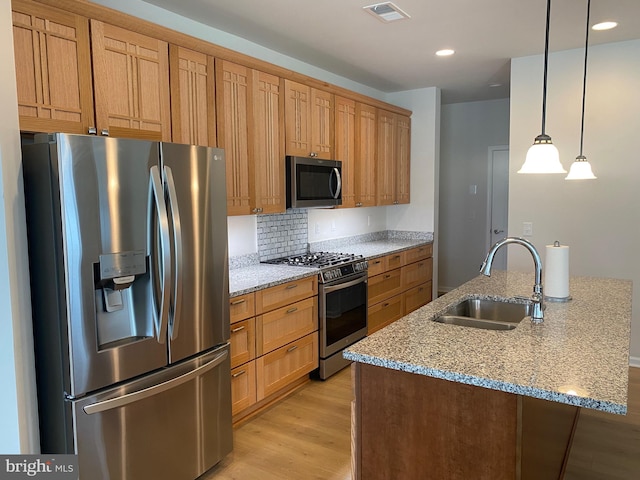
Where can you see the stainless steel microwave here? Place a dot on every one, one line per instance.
(313, 182)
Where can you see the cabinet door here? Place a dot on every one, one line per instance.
(345, 142)
(417, 297)
(366, 145)
(131, 83)
(284, 325)
(322, 133)
(192, 97)
(386, 158)
(403, 159)
(297, 119)
(385, 285)
(243, 342)
(267, 139)
(384, 313)
(279, 368)
(232, 91)
(53, 69)
(416, 273)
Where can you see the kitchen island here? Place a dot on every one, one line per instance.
(442, 401)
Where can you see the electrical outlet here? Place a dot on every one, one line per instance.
(368, 220)
(527, 229)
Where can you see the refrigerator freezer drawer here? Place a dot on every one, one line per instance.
(173, 425)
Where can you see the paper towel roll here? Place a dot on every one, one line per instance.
(556, 276)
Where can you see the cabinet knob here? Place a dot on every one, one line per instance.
(104, 132)
(93, 131)
(313, 154)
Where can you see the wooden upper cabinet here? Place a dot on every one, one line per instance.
(53, 69)
(131, 83)
(308, 121)
(267, 140)
(345, 143)
(232, 92)
(366, 147)
(192, 81)
(403, 159)
(386, 175)
(251, 130)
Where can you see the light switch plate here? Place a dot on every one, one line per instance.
(527, 229)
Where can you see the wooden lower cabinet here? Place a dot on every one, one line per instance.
(274, 343)
(243, 387)
(286, 364)
(398, 284)
(384, 313)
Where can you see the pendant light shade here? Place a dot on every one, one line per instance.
(543, 156)
(581, 168)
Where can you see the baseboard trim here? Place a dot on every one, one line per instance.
(634, 362)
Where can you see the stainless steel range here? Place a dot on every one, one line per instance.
(342, 303)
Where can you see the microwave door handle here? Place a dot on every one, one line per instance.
(156, 199)
(338, 181)
(177, 242)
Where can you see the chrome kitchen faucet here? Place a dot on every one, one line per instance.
(537, 315)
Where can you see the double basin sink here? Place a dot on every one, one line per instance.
(486, 314)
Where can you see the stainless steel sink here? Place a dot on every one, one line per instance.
(486, 314)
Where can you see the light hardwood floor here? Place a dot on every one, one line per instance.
(307, 436)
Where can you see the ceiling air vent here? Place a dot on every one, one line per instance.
(386, 12)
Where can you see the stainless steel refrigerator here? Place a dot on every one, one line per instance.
(128, 265)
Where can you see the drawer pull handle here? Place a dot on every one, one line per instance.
(239, 302)
(385, 305)
(291, 349)
(291, 310)
(377, 262)
(421, 264)
(387, 276)
(237, 374)
(237, 329)
(396, 256)
(289, 287)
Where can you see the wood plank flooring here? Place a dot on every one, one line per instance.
(307, 436)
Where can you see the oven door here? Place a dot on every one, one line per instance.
(343, 313)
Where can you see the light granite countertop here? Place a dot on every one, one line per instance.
(254, 276)
(578, 356)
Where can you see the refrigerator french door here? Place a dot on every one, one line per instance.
(128, 265)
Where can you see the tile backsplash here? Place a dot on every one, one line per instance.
(282, 234)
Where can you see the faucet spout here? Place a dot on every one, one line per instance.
(537, 297)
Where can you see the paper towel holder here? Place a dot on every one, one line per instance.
(557, 299)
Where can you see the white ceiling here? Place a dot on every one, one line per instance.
(339, 36)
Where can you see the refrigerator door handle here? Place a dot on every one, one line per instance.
(155, 389)
(177, 240)
(156, 198)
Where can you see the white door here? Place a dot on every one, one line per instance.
(498, 201)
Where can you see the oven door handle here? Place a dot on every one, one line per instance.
(341, 286)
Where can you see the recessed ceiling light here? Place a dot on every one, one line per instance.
(605, 25)
(445, 52)
(386, 12)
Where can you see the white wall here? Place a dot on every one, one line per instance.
(598, 219)
(18, 409)
(467, 131)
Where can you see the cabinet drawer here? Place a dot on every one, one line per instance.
(285, 365)
(377, 266)
(417, 297)
(384, 313)
(395, 260)
(417, 273)
(384, 286)
(243, 387)
(281, 326)
(241, 307)
(243, 342)
(281, 295)
(418, 253)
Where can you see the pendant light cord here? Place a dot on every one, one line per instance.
(546, 61)
(584, 78)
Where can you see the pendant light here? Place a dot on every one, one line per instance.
(581, 169)
(543, 156)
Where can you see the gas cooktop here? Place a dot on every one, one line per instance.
(333, 266)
